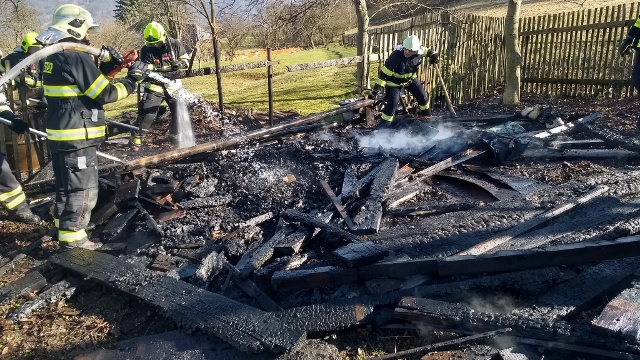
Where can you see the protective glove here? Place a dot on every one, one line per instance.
(179, 64)
(17, 125)
(110, 54)
(625, 46)
(434, 58)
(138, 71)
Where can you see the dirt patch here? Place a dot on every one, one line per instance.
(498, 8)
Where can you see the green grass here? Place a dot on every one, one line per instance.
(306, 92)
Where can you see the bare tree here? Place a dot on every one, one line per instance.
(362, 43)
(511, 94)
(234, 30)
(17, 19)
(119, 35)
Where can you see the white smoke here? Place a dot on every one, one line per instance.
(405, 141)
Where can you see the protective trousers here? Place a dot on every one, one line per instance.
(148, 110)
(76, 174)
(635, 72)
(11, 194)
(393, 96)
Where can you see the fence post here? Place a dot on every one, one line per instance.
(270, 85)
(25, 117)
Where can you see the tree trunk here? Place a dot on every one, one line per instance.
(511, 95)
(362, 43)
(216, 53)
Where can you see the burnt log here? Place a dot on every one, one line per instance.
(61, 290)
(313, 278)
(349, 189)
(117, 226)
(432, 209)
(327, 317)
(252, 290)
(127, 191)
(621, 315)
(612, 138)
(331, 230)
(337, 204)
(369, 218)
(510, 260)
(246, 328)
(32, 281)
(254, 260)
(360, 253)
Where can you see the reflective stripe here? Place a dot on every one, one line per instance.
(424, 107)
(71, 236)
(386, 117)
(77, 134)
(151, 67)
(9, 194)
(381, 82)
(387, 71)
(637, 24)
(17, 201)
(122, 90)
(61, 90)
(153, 87)
(136, 140)
(96, 88)
(2, 69)
(56, 223)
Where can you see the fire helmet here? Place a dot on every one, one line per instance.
(69, 21)
(154, 33)
(29, 40)
(412, 42)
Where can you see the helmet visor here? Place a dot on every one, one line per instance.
(52, 36)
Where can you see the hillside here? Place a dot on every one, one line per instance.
(530, 7)
(100, 9)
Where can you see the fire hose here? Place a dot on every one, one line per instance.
(43, 134)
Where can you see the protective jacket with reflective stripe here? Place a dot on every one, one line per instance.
(634, 32)
(398, 70)
(76, 90)
(33, 74)
(160, 59)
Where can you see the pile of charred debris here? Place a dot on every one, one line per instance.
(263, 250)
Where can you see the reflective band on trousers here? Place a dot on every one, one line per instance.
(56, 223)
(386, 117)
(94, 132)
(9, 194)
(71, 236)
(136, 140)
(153, 87)
(61, 91)
(17, 195)
(15, 202)
(424, 107)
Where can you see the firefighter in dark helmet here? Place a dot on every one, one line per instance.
(76, 90)
(162, 54)
(400, 70)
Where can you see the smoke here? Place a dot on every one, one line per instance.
(405, 141)
(334, 141)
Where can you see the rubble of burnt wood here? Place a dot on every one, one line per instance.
(268, 249)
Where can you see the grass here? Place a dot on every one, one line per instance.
(306, 92)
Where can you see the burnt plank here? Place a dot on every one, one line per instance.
(164, 263)
(349, 188)
(368, 219)
(337, 204)
(569, 254)
(205, 202)
(432, 209)
(622, 314)
(532, 154)
(527, 225)
(246, 328)
(332, 230)
(61, 290)
(596, 352)
(104, 213)
(327, 317)
(263, 253)
(127, 191)
(297, 240)
(498, 193)
(252, 290)
(32, 281)
(313, 278)
(518, 353)
(360, 253)
(118, 225)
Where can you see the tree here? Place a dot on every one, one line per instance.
(17, 19)
(362, 43)
(511, 95)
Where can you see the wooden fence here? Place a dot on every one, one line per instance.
(572, 53)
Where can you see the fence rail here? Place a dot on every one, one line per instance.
(572, 53)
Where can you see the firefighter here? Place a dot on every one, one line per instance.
(11, 195)
(163, 54)
(76, 90)
(632, 41)
(29, 46)
(400, 70)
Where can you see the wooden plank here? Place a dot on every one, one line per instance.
(368, 219)
(431, 209)
(252, 290)
(360, 253)
(254, 260)
(313, 278)
(598, 353)
(327, 317)
(337, 204)
(246, 328)
(510, 260)
(32, 281)
(527, 225)
(332, 230)
(622, 314)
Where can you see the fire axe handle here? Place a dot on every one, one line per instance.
(444, 90)
(43, 134)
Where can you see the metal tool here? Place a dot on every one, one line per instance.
(444, 89)
(43, 134)
(126, 126)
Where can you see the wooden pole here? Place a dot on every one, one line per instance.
(444, 90)
(270, 85)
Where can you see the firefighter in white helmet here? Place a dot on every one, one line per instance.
(76, 90)
(400, 70)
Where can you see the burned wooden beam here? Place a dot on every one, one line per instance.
(293, 242)
(621, 315)
(585, 350)
(252, 290)
(337, 204)
(327, 317)
(177, 154)
(369, 218)
(360, 253)
(251, 261)
(577, 144)
(569, 254)
(444, 345)
(61, 290)
(313, 278)
(432, 209)
(527, 225)
(246, 328)
(127, 191)
(349, 189)
(118, 225)
(566, 127)
(32, 281)
(612, 138)
(498, 193)
(299, 217)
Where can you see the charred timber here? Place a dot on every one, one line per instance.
(244, 327)
(369, 218)
(31, 282)
(226, 143)
(612, 138)
(62, 290)
(305, 219)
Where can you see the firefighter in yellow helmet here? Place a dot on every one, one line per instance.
(29, 46)
(162, 54)
(401, 70)
(76, 90)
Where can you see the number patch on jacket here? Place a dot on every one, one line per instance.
(48, 67)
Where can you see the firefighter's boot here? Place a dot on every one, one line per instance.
(23, 214)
